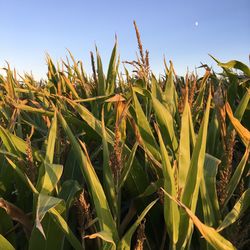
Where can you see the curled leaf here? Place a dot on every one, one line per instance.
(209, 233)
(241, 130)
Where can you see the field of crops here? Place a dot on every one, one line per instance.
(125, 161)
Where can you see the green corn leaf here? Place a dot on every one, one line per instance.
(43, 204)
(92, 121)
(198, 104)
(101, 87)
(156, 89)
(152, 188)
(238, 210)
(184, 145)
(170, 97)
(144, 128)
(190, 192)
(233, 82)
(50, 178)
(136, 180)
(213, 135)
(112, 71)
(101, 205)
(51, 141)
(23, 176)
(71, 168)
(242, 106)
(108, 180)
(50, 174)
(235, 179)
(191, 132)
(5, 244)
(37, 240)
(68, 191)
(8, 143)
(234, 64)
(127, 166)
(52, 72)
(171, 212)
(208, 191)
(66, 229)
(125, 242)
(16, 145)
(166, 124)
(209, 233)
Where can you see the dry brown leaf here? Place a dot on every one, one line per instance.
(17, 215)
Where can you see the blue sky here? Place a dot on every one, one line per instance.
(29, 29)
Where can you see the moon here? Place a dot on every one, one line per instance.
(196, 24)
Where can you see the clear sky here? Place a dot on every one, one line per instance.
(184, 30)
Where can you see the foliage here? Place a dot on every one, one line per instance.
(88, 160)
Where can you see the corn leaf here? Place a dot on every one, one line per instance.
(190, 192)
(171, 212)
(66, 229)
(184, 145)
(51, 177)
(104, 236)
(136, 180)
(8, 143)
(125, 242)
(111, 76)
(156, 89)
(5, 244)
(101, 87)
(238, 210)
(51, 141)
(170, 98)
(127, 166)
(144, 128)
(241, 130)
(152, 188)
(101, 205)
(166, 124)
(236, 65)
(37, 240)
(44, 204)
(16, 145)
(242, 106)
(68, 191)
(108, 181)
(235, 179)
(209, 233)
(23, 176)
(208, 191)
(198, 104)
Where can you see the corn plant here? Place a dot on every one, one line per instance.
(124, 161)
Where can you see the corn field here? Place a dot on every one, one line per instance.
(125, 160)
